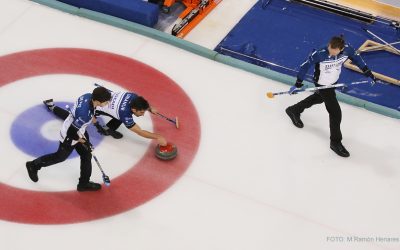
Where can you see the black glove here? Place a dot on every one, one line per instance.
(100, 129)
(72, 133)
(368, 73)
(373, 79)
(67, 142)
(299, 83)
(87, 145)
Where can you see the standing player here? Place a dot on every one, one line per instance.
(327, 62)
(73, 135)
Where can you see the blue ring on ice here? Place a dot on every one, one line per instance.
(26, 131)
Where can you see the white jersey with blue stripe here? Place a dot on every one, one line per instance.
(119, 107)
(328, 68)
(80, 117)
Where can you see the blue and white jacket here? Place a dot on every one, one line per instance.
(120, 107)
(327, 68)
(81, 117)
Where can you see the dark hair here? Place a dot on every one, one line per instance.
(139, 103)
(101, 94)
(337, 42)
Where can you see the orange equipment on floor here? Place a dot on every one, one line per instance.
(195, 11)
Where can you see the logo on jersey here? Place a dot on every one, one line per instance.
(125, 102)
(336, 64)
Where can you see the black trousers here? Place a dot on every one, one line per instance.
(64, 150)
(327, 96)
(60, 112)
(113, 124)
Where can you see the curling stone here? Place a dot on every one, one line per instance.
(167, 152)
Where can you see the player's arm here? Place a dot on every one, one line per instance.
(312, 59)
(72, 132)
(153, 110)
(357, 60)
(81, 118)
(149, 135)
(77, 123)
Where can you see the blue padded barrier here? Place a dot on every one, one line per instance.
(59, 6)
(76, 3)
(135, 11)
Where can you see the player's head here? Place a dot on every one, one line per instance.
(139, 106)
(336, 45)
(101, 96)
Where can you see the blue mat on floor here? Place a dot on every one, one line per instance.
(284, 32)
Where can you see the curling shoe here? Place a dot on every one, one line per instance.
(89, 186)
(295, 118)
(49, 104)
(32, 171)
(339, 149)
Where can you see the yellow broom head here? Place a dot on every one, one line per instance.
(270, 95)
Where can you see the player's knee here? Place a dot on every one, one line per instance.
(62, 155)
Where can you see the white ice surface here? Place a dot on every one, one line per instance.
(257, 182)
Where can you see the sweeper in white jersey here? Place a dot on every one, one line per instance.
(72, 136)
(327, 62)
(122, 107)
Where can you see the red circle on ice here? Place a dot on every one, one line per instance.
(144, 180)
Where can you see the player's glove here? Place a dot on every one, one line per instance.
(373, 79)
(87, 145)
(296, 86)
(292, 90)
(368, 73)
(100, 129)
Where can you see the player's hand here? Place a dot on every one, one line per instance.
(161, 140)
(368, 73)
(100, 129)
(372, 81)
(292, 90)
(298, 85)
(86, 144)
(153, 110)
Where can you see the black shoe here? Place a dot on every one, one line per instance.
(32, 171)
(339, 149)
(115, 134)
(295, 118)
(89, 186)
(49, 104)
